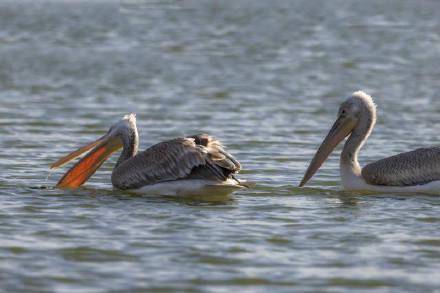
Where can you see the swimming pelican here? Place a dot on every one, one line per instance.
(416, 171)
(181, 165)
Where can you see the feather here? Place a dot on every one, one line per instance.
(417, 167)
(194, 157)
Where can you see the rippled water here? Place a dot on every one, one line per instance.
(266, 77)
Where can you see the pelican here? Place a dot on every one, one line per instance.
(415, 171)
(178, 166)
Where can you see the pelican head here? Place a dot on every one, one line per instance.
(357, 113)
(121, 134)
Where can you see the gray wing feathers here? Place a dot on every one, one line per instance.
(217, 153)
(176, 159)
(412, 168)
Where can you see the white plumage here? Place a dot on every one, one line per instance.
(415, 171)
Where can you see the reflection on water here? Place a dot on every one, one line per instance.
(265, 77)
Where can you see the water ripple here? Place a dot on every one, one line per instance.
(266, 78)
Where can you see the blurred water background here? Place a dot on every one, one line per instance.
(266, 77)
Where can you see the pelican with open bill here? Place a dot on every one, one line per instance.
(415, 171)
(178, 166)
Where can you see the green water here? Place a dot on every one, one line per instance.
(265, 77)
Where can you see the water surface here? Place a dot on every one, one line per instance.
(266, 77)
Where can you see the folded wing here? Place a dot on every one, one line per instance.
(195, 157)
(407, 169)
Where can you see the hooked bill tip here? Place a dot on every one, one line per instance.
(302, 183)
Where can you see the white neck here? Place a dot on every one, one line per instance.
(349, 164)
